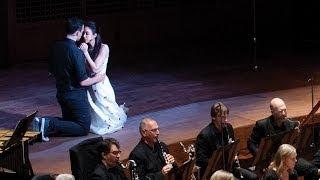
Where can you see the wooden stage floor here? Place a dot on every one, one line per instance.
(179, 100)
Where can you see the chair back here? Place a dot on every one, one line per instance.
(84, 158)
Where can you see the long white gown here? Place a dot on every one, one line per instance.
(106, 115)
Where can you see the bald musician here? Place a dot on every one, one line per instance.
(272, 125)
(275, 124)
(152, 156)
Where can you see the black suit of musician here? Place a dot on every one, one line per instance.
(109, 168)
(152, 157)
(265, 128)
(210, 138)
(103, 172)
(277, 123)
(270, 126)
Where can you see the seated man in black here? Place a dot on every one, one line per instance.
(151, 156)
(109, 167)
(275, 124)
(272, 125)
(210, 139)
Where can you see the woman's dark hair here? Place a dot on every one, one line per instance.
(95, 50)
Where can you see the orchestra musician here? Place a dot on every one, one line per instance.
(109, 167)
(152, 156)
(272, 125)
(282, 165)
(222, 175)
(275, 124)
(216, 134)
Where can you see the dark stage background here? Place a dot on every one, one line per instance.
(166, 33)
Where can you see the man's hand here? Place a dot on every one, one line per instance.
(297, 126)
(195, 169)
(100, 77)
(95, 79)
(165, 170)
(169, 159)
(195, 172)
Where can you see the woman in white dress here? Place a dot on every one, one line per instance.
(106, 115)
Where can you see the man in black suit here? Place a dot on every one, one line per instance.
(273, 125)
(216, 134)
(152, 156)
(109, 168)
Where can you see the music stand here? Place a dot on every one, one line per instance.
(20, 130)
(268, 147)
(291, 137)
(305, 138)
(216, 159)
(184, 171)
(15, 153)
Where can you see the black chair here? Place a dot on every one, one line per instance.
(84, 158)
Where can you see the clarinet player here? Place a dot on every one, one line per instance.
(152, 156)
(109, 168)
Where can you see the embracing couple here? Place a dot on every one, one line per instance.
(86, 97)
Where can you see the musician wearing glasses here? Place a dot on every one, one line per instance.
(109, 167)
(152, 156)
(216, 134)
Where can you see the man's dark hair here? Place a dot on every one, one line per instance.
(105, 145)
(73, 24)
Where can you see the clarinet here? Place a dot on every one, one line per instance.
(132, 163)
(238, 166)
(164, 154)
(190, 151)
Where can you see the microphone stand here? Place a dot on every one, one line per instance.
(311, 79)
(253, 38)
(222, 138)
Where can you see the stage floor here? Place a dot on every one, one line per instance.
(179, 99)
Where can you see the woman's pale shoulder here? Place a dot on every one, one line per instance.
(105, 46)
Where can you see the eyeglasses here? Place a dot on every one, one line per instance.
(115, 152)
(153, 130)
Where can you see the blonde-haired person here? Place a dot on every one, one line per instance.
(222, 175)
(65, 177)
(282, 165)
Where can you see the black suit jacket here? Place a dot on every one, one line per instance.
(272, 175)
(209, 140)
(150, 161)
(101, 172)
